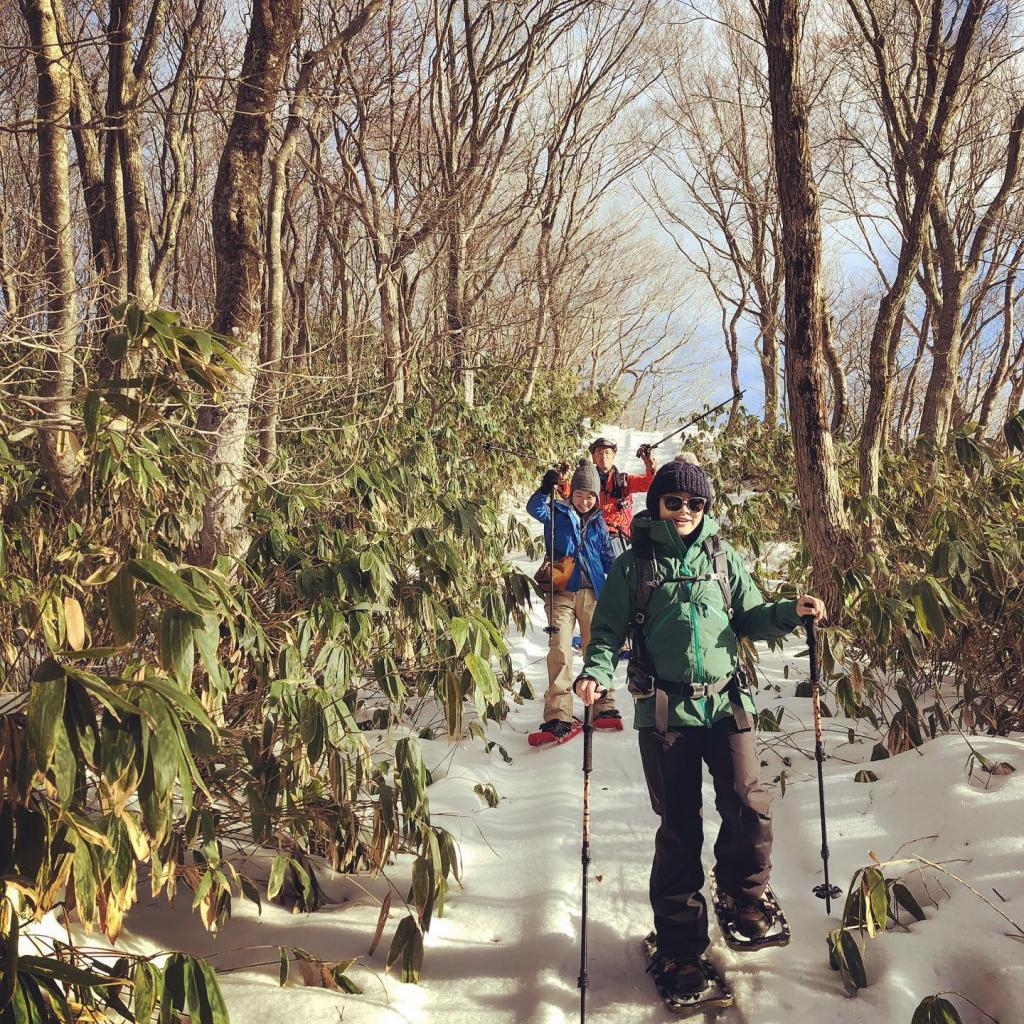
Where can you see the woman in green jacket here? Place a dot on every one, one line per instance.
(692, 705)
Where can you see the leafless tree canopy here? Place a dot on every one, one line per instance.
(383, 199)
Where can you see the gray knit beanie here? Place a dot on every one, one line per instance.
(586, 478)
(680, 478)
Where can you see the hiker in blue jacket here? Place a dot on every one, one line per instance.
(580, 534)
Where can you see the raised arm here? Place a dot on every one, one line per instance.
(538, 504)
(637, 484)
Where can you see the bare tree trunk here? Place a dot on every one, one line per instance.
(454, 309)
(391, 335)
(90, 173)
(543, 301)
(647, 409)
(927, 157)
(946, 353)
(57, 444)
(737, 401)
(124, 86)
(407, 350)
(957, 276)
(137, 223)
(301, 354)
(179, 125)
(10, 289)
(1017, 392)
(817, 478)
(730, 335)
(116, 230)
(838, 379)
(344, 296)
(237, 212)
(947, 348)
(276, 205)
(271, 386)
(1001, 371)
(770, 371)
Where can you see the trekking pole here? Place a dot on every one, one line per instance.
(551, 629)
(697, 419)
(490, 446)
(588, 736)
(824, 891)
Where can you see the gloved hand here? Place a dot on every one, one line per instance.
(548, 481)
(646, 455)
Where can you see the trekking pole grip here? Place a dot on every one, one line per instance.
(812, 645)
(551, 629)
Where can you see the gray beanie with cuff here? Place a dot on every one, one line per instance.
(586, 478)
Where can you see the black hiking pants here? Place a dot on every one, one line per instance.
(744, 844)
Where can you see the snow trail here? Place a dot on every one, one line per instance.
(922, 799)
(507, 949)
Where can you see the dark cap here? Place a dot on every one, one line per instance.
(680, 478)
(603, 442)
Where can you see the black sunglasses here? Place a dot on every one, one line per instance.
(674, 503)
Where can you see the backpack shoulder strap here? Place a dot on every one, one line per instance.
(646, 576)
(621, 485)
(720, 565)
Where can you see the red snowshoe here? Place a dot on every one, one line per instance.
(609, 720)
(555, 732)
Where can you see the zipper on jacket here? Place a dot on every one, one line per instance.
(699, 666)
(699, 679)
(596, 563)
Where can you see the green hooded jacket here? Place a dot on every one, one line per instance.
(688, 633)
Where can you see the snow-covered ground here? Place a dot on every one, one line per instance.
(507, 949)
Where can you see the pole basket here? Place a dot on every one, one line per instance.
(551, 630)
(827, 892)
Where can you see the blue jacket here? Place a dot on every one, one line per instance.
(594, 551)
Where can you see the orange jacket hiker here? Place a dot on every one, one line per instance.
(618, 488)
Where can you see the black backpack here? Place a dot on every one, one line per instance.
(616, 486)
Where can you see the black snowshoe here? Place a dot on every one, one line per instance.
(686, 987)
(750, 925)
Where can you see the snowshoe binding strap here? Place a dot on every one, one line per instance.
(777, 934)
(716, 994)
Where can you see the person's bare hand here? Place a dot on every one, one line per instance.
(588, 689)
(808, 604)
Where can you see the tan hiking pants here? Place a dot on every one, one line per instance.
(568, 610)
